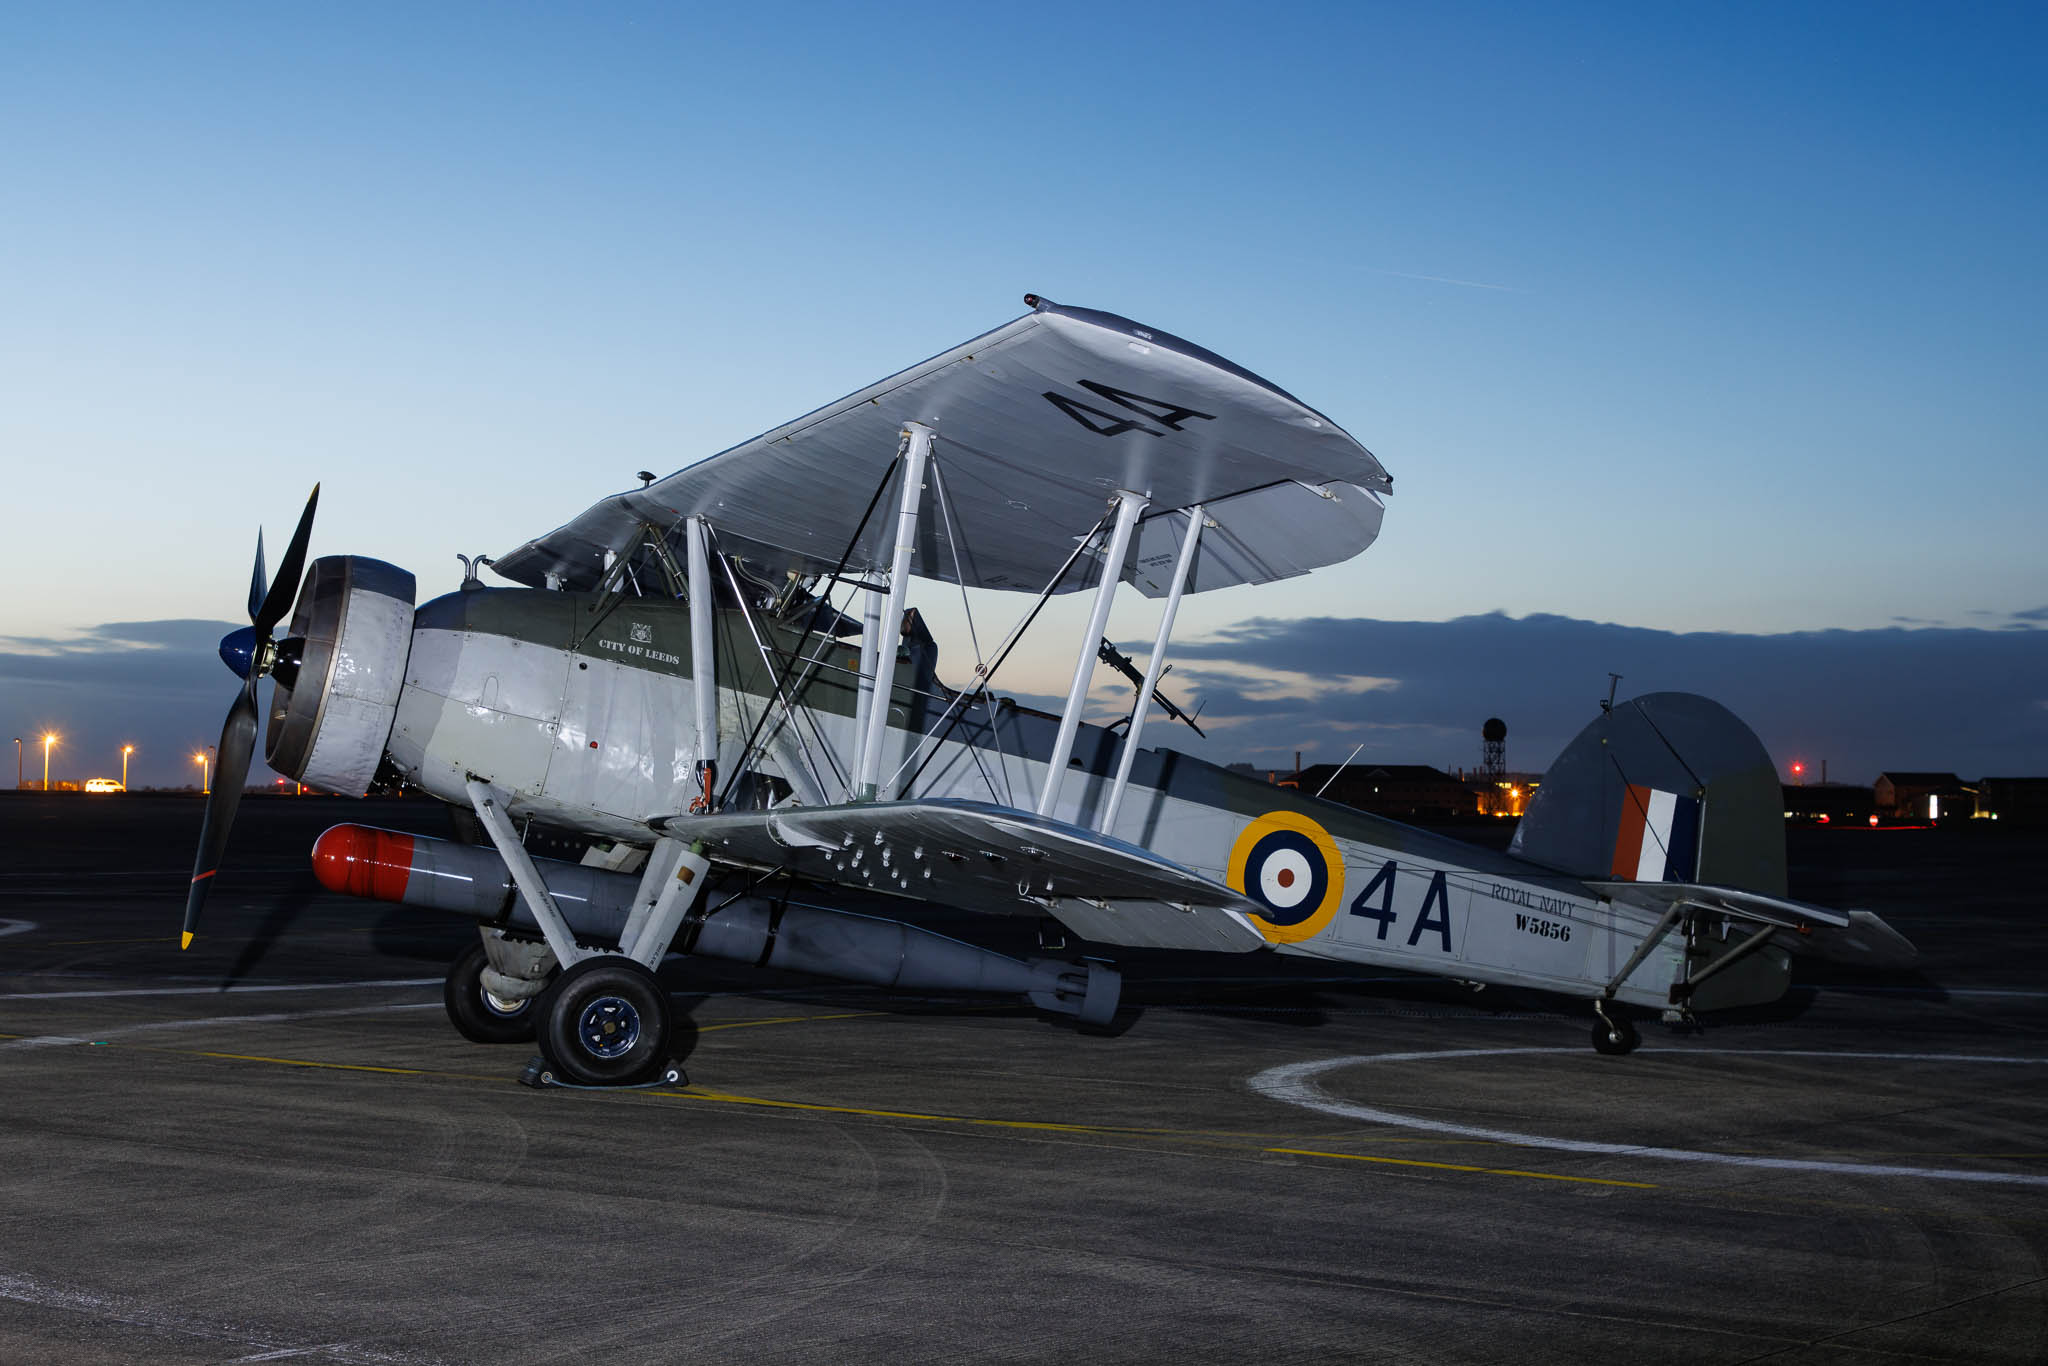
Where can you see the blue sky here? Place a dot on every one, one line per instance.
(1713, 319)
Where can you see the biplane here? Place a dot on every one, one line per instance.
(718, 679)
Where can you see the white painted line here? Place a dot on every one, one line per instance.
(61, 1040)
(8, 927)
(1296, 1084)
(1932, 992)
(216, 991)
(23, 1289)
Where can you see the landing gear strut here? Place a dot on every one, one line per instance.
(604, 1022)
(1614, 1034)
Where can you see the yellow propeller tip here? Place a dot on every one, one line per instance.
(185, 939)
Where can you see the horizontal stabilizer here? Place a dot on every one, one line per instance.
(1856, 937)
(986, 858)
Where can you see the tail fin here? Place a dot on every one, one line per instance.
(1670, 787)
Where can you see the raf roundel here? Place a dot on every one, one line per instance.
(1290, 866)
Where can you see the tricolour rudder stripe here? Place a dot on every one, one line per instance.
(1720, 820)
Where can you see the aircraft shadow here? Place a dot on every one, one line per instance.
(281, 915)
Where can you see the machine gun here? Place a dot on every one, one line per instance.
(1121, 662)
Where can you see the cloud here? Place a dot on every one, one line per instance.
(1272, 684)
(158, 685)
(2032, 614)
(1926, 697)
(1944, 698)
(179, 634)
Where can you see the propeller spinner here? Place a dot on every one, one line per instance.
(250, 653)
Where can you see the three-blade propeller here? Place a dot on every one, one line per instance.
(251, 653)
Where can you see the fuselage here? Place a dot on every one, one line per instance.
(579, 708)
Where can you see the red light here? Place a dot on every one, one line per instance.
(1799, 768)
(1823, 818)
(1873, 822)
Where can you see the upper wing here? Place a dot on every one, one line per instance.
(987, 858)
(1039, 423)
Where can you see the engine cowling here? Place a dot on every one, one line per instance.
(339, 673)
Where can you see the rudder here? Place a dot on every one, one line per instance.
(1668, 787)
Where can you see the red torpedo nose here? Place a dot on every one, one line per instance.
(360, 860)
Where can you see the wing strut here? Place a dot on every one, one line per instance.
(870, 656)
(928, 748)
(1128, 506)
(703, 665)
(1188, 543)
(917, 454)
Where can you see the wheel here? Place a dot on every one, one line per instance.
(605, 1022)
(1614, 1033)
(476, 1014)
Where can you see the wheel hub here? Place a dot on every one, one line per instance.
(499, 1005)
(609, 1027)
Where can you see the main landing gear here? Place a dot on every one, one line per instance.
(477, 1013)
(604, 1022)
(1614, 1034)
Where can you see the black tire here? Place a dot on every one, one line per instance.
(1616, 1035)
(605, 1022)
(477, 1015)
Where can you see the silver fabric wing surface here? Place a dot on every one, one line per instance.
(1039, 423)
(972, 854)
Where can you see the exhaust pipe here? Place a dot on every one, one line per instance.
(442, 875)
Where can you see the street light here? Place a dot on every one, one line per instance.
(48, 740)
(126, 750)
(205, 786)
(17, 763)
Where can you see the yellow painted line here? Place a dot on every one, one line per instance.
(1460, 1167)
(789, 1019)
(334, 1066)
(1026, 1125)
(728, 1098)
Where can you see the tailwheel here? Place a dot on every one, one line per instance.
(477, 1014)
(605, 1022)
(1614, 1034)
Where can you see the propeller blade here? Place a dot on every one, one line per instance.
(231, 774)
(257, 583)
(285, 586)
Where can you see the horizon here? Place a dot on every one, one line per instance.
(1414, 692)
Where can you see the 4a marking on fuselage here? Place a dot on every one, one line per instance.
(1436, 905)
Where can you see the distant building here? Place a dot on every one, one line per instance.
(1505, 795)
(2020, 800)
(1829, 801)
(1412, 790)
(1923, 796)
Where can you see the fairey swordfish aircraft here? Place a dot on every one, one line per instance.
(716, 678)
